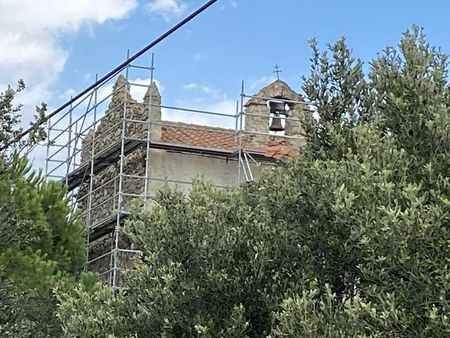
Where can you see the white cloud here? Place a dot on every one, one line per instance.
(166, 8)
(89, 77)
(232, 3)
(210, 92)
(138, 88)
(198, 56)
(225, 106)
(205, 98)
(257, 84)
(67, 15)
(190, 86)
(29, 40)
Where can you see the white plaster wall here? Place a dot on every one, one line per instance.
(179, 169)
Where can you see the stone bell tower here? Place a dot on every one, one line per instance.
(258, 114)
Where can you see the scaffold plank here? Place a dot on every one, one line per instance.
(103, 159)
(106, 225)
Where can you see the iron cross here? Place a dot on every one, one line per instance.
(277, 71)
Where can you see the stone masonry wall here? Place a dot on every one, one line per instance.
(103, 201)
(109, 131)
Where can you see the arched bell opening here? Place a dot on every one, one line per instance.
(279, 112)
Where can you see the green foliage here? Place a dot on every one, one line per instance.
(351, 239)
(27, 312)
(39, 236)
(339, 91)
(10, 131)
(87, 311)
(41, 243)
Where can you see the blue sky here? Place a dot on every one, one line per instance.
(243, 40)
(57, 46)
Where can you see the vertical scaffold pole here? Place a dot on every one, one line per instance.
(74, 162)
(69, 144)
(236, 134)
(89, 217)
(48, 146)
(149, 134)
(120, 203)
(241, 116)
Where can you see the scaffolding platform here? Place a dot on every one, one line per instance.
(103, 159)
(107, 225)
(112, 154)
(184, 148)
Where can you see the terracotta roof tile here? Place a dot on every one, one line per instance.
(196, 135)
(221, 138)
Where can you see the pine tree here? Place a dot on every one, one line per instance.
(41, 243)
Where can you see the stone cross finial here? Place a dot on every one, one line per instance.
(277, 71)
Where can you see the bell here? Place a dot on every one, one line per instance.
(276, 124)
(277, 107)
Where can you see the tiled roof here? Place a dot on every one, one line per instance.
(196, 135)
(220, 138)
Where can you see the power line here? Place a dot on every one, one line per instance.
(119, 68)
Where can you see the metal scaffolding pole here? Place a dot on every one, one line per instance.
(89, 217)
(149, 133)
(241, 117)
(120, 202)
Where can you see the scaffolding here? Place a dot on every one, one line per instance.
(93, 145)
